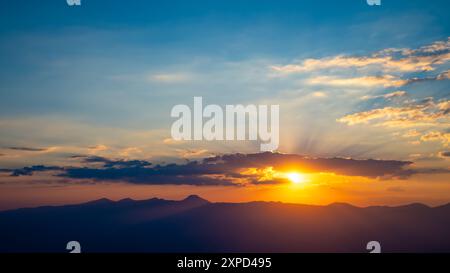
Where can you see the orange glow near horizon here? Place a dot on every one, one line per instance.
(257, 184)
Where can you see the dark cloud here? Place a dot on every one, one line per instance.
(440, 77)
(445, 154)
(342, 166)
(109, 163)
(227, 169)
(32, 169)
(223, 170)
(27, 149)
(143, 176)
(140, 172)
(431, 171)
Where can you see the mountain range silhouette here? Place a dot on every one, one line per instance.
(197, 225)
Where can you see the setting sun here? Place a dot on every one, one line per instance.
(295, 177)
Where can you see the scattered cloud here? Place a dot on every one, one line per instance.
(411, 133)
(387, 96)
(404, 60)
(128, 152)
(437, 136)
(357, 82)
(98, 148)
(171, 141)
(440, 77)
(190, 153)
(426, 112)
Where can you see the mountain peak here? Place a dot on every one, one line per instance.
(340, 205)
(126, 200)
(99, 201)
(195, 198)
(415, 206)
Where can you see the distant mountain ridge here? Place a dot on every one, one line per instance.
(197, 225)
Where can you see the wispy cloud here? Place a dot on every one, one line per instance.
(168, 77)
(411, 133)
(405, 60)
(191, 153)
(357, 82)
(387, 96)
(437, 136)
(423, 113)
(98, 148)
(28, 149)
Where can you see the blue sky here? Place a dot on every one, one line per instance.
(120, 67)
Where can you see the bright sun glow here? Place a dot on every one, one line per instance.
(296, 178)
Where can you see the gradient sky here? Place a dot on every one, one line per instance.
(99, 81)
